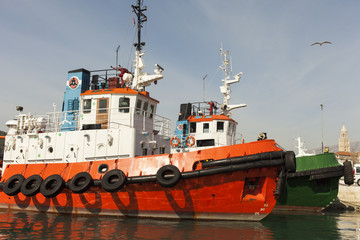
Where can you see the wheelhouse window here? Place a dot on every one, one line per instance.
(220, 126)
(205, 143)
(87, 106)
(205, 127)
(229, 129)
(138, 106)
(145, 108)
(162, 150)
(124, 104)
(103, 104)
(151, 112)
(193, 127)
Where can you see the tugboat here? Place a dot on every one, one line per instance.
(108, 153)
(315, 184)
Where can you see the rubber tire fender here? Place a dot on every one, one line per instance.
(165, 181)
(52, 186)
(81, 182)
(113, 180)
(290, 161)
(348, 173)
(13, 184)
(31, 186)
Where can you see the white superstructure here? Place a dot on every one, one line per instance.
(110, 117)
(201, 126)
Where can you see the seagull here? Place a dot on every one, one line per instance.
(320, 43)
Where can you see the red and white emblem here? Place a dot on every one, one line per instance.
(73, 82)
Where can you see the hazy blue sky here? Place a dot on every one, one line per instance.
(284, 81)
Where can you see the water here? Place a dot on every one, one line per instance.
(29, 225)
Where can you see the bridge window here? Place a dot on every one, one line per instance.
(87, 106)
(162, 150)
(193, 127)
(205, 143)
(145, 108)
(124, 104)
(151, 112)
(138, 106)
(229, 129)
(103, 105)
(220, 126)
(206, 127)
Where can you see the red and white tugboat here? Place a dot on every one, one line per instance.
(108, 153)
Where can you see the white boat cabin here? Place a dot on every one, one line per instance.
(200, 127)
(105, 119)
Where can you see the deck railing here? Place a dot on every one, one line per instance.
(111, 118)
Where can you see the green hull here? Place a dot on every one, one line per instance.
(306, 193)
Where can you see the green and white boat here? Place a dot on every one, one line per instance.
(315, 184)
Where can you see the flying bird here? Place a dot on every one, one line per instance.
(320, 43)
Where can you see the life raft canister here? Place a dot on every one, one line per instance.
(174, 142)
(190, 141)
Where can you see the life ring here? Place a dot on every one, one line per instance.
(180, 127)
(113, 181)
(81, 182)
(13, 184)
(31, 185)
(52, 186)
(168, 176)
(190, 141)
(174, 142)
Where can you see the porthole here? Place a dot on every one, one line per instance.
(103, 168)
(50, 149)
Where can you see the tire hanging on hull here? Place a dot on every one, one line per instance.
(113, 181)
(52, 186)
(168, 176)
(81, 182)
(31, 185)
(13, 184)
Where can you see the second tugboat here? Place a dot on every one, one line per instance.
(108, 153)
(315, 184)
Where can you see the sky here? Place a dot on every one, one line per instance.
(284, 79)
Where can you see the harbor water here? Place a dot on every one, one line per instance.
(31, 225)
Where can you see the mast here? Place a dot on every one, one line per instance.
(142, 79)
(225, 89)
(141, 18)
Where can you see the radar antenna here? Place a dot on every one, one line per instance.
(141, 18)
(225, 89)
(142, 79)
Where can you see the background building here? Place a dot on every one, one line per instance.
(345, 152)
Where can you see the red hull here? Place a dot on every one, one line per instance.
(238, 195)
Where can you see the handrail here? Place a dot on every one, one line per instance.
(75, 119)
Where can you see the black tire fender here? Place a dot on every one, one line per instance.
(13, 184)
(81, 182)
(162, 176)
(290, 161)
(113, 180)
(348, 173)
(52, 186)
(31, 186)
